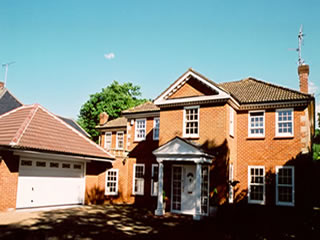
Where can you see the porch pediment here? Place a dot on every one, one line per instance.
(179, 149)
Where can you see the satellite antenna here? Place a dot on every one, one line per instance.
(300, 39)
(6, 66)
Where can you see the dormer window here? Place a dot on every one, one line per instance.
(140, 130)
(191, 122)
(256, 124)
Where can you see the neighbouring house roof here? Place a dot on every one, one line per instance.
(8, 101)
(75, 125)
(145, 107)
(118, 122)
(34, 128)
(251, 90)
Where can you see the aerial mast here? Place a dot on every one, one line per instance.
(6, 66)
(300, 39)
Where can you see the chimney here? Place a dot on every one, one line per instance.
(303, 72)
(1, 85)
(103, 117)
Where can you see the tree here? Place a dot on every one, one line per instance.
(113, 100)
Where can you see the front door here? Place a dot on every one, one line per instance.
(183, 189)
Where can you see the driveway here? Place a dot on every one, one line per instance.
(128, 222)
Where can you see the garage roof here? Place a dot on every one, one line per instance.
(33, 127)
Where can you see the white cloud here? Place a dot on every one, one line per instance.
(109, 56)
(312, 87)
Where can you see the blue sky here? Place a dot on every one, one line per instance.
(66, 50)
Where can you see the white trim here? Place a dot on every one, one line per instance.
(136, 138)
(105, 140)
(185, 135)
(262, 202)
(231, 121)
(277, 119)
(154, 127)
(107, 192)
(26, 153)
(162, 99)
(256, 135)
(117, 140)
(134, 177)
(280, 203)
(152, 191)
(231, 177)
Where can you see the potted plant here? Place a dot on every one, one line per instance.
(165, 199)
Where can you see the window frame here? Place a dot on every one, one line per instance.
(231, 178)
(134, 178)
(152, 193)
(107, 192)
(117, 140)
(105, 140)
(136, 138)
(231, 122)
(185, 122)
(277, 122)
(281, 203)
(253, 201)
(155, 127)
(255, 135)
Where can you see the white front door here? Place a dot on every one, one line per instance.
(183, 189)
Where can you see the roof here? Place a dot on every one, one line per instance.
(118, 122)
(145, 107)
(8, 101)
(251, 90)
(75, 125)
(35, 128)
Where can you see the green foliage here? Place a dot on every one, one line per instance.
(316, 145)
(113, 100)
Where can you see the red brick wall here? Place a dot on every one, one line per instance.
(8, 180)
(268, 152)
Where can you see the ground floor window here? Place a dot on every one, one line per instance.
(138, 179)
(256, 184)
(204, 189)
(111, 182)
(154, 180)
(176, 188)
(285, 185)
(230, 197)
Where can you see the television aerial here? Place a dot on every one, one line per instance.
(6, 66)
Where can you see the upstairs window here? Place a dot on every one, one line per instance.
(108, 140)
(156, 128)
(140, 130)
(231, 122)
(256, 124)
(111, 182)
(191, 122)
(284, 122)
(119, 142)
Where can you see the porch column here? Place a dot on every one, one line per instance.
(160, 211)
(197, 215)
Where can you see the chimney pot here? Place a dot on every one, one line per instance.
(103, 118)
(303, 72)
(1, 85)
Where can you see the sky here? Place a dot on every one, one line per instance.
(64, 51)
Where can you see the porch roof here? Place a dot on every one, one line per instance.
(179, 149)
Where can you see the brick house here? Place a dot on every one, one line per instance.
(203, 143)
(44, 161)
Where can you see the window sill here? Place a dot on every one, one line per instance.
(255, 138)
(138, 140)
(283, 137)
(191, 137)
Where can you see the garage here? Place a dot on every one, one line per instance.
(43, 183)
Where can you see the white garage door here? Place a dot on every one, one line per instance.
(50, 183)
